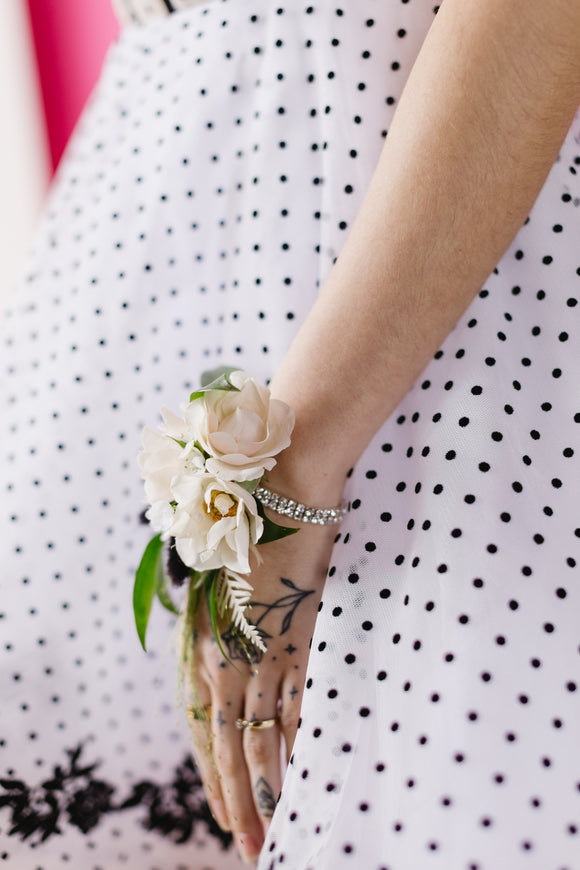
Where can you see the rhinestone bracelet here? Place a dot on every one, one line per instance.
(297, 511)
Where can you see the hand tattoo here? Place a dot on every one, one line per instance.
(265, 798)
(239, 650)
(287, 602)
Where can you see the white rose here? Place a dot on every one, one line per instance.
(241, 430)
(215, 524)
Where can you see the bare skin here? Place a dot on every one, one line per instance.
(495, 87)
(241, 769)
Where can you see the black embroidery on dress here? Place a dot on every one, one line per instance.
(173, 810)
(74, 795)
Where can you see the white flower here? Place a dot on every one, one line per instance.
(163, 457)
(241, 430)
(215, 524)
(161, 516)
(193, 457)
(159, 461)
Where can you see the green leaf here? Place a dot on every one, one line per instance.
(162, 589)
(183, 445)
(210, 584)
(188, 628)
(217, 379)
(249, 485)
(146, 586)
(193, 596)
(273, 531)
(201, 450)
(208, 378)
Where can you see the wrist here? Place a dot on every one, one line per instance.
(305, 478)
(314, 468)
(304, 513)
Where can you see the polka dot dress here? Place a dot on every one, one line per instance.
(208, 188)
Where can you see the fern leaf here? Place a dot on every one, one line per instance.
(233, 595)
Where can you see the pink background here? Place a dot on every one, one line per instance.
(71, 38)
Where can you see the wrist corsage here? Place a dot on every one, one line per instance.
(201, 473)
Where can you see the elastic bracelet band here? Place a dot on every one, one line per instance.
(289, 508)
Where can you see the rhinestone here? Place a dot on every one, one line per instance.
(288, 507)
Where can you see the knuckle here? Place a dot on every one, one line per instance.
(221, 677)
(227, 761)
(289, 719)
(257, 750)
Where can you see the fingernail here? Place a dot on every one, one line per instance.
(248, 847)
(218, 811)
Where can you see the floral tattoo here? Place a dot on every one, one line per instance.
(287, 603)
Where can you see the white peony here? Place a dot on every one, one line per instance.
(241, 430)
(215, 523)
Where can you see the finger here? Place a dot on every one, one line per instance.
(290, 704)
(202, 739)
(229, 759)
(262, 751)
(201, 728)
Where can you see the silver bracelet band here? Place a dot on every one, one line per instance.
(297, 511)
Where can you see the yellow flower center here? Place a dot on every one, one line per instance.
(221, 505)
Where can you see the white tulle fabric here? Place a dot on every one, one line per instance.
(208, 190)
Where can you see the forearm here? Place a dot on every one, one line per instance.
(479, 125)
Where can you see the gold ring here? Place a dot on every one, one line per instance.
(199, 714)
(256, 724)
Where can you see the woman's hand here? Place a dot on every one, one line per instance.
(241, 768)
